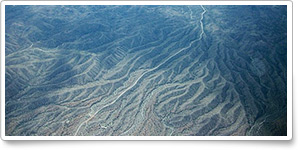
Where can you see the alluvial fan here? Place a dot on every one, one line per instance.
(145, 70)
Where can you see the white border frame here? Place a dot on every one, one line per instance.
(289, 70)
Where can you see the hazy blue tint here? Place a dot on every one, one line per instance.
(145, 70)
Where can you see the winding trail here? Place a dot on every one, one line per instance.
(149, 70)
(201, 23)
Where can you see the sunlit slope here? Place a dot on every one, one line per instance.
(145, 70)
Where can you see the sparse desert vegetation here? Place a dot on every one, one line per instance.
(145, 70)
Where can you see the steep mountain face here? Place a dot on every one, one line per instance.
(145, 70)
